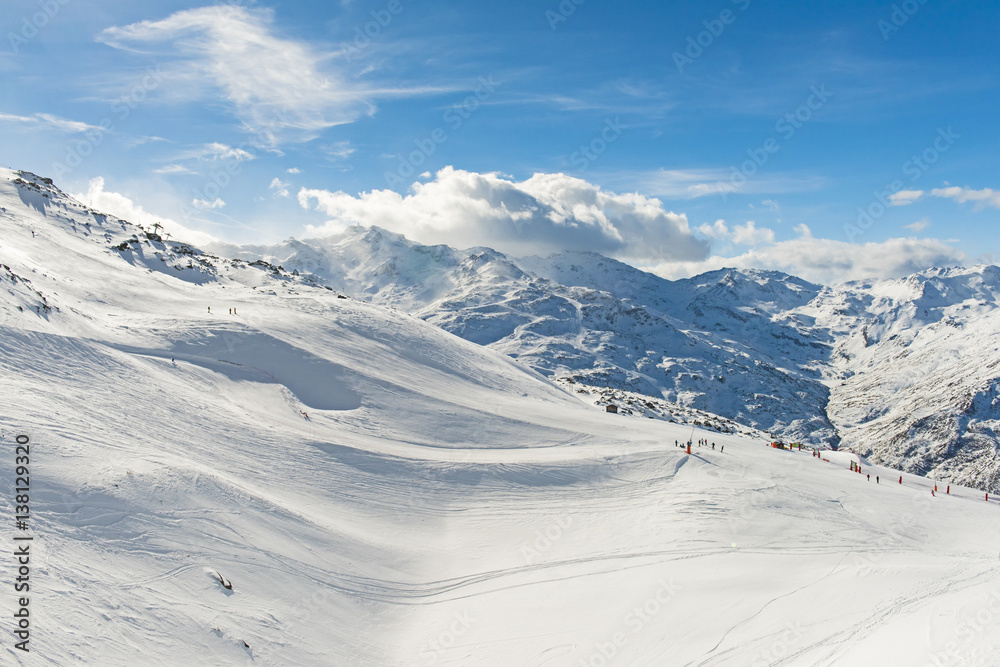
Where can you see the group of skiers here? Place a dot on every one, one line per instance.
(232, 311)
(701, 442)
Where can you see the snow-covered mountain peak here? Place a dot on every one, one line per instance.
(593, 271)
(769, 291)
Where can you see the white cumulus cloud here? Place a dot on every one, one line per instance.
(279, 187)
(546, 213)
(984, 197)
(751, 235)
(829, 261)
(207, 205)
(905, 197)
(122, 207)
(748, 234)
(718, 230)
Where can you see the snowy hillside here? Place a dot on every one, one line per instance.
(599, 322)
(921, 358)
(377, 491)
(903, 371)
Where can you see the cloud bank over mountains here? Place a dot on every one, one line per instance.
(544, 214)
(551, 213)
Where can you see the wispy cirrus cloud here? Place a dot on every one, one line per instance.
(270, 80)
(49, 121)
(985, 197)
(273, 83)
(187, 162)
(217, 151)
(695, 183)
(613, 100)
(686, 183)
(339, 150)
(174, 170)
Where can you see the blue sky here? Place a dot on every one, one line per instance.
(833, 140)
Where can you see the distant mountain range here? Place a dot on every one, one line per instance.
(906, 371)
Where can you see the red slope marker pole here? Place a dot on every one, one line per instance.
(900, 479)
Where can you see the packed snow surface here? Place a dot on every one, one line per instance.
(378, 491)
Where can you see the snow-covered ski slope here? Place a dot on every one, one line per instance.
(906, 372)
(380, 492)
